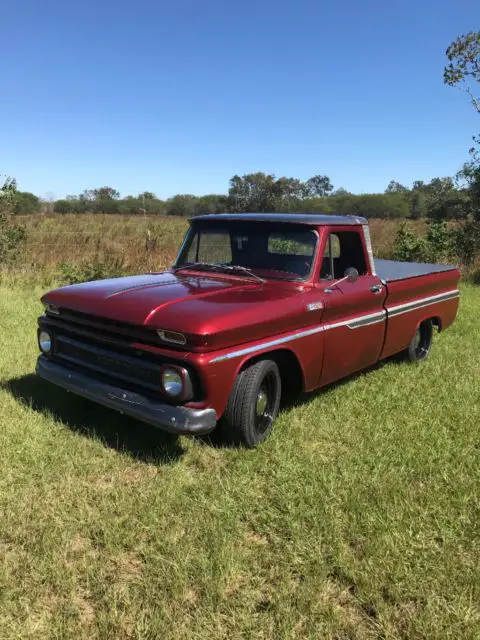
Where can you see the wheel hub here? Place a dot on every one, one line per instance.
(261, 404)
(417, 339)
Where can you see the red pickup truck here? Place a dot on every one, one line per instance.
(256, 306)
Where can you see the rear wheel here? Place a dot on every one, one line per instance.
(253, 404)
(419, 347)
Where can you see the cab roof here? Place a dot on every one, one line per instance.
(298, 218)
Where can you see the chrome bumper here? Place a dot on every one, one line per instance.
(174, 419)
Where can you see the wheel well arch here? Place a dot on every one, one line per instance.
(291, 372)
(437, 322)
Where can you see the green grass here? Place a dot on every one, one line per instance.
(358, 518)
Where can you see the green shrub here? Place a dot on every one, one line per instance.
(12, 235)
(409, 246)
(466, 240)
(75, 273)
(440, 242)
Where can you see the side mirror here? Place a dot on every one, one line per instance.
(351, 274)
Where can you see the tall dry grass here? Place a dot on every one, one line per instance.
(127, 244)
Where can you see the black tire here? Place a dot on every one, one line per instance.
(419, 347)
(253, 404)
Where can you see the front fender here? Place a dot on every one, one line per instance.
(219, 369)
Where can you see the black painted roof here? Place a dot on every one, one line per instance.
(299, 218)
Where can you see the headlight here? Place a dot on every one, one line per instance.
(45, 341)
(172, 382)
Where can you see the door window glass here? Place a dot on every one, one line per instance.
(344, 249)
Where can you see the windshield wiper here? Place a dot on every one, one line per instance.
(237, 267)
(216, 266)
(196, 265)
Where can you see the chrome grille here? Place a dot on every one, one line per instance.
(134, 370)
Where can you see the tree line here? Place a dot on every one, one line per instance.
(24, 202)
(441, 199)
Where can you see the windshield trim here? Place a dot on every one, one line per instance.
(194, 227)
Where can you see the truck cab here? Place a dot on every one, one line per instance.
(255, 306)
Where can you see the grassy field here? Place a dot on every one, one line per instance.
(358, 518)
(120, 242)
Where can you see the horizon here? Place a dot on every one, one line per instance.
(46, 198)
(178, 99)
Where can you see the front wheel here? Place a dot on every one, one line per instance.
(419, 347)
(253, 404)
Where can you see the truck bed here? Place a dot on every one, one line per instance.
(392, 270)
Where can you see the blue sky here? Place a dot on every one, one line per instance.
(176, 97)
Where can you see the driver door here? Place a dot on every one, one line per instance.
(354, 316)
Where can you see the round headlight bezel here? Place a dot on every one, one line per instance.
(183, 390)
(45, 342)
(172, 382)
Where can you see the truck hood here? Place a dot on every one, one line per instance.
(220, 310)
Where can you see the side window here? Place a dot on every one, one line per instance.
(343, 249)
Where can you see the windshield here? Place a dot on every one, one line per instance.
(269, 250)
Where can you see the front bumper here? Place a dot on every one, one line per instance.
(174, 419)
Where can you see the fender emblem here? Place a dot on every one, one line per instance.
(314, 306)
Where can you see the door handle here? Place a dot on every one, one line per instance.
(376, 288)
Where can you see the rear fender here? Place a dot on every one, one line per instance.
(402, 328)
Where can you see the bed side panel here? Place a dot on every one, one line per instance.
(409, 302)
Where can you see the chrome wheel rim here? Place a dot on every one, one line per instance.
(262, 401)
(265, 403)
(422, 341)
(417, 339)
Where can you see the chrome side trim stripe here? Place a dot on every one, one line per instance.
(267, 345)
(352, 323)
(365, 321)
(356, 323)
(423, 302)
